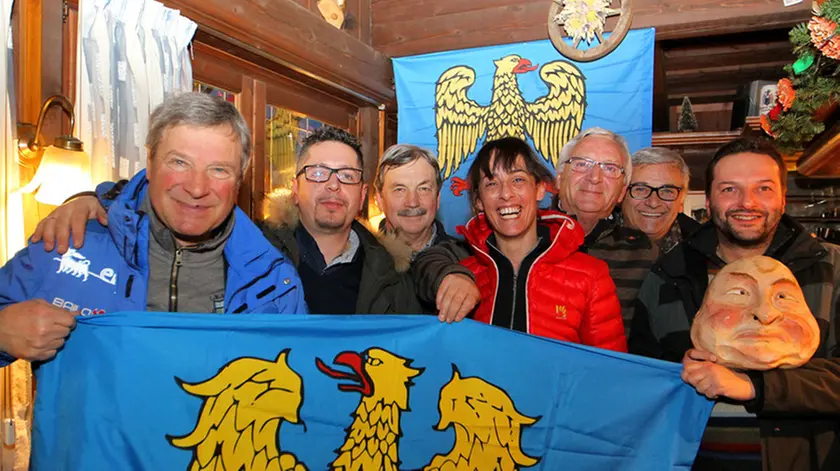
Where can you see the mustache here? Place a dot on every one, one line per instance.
(331, 199)
(412, 212)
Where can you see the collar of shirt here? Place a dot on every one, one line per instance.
(311, 254)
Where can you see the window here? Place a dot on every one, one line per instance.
(284, 132)
(211, 90)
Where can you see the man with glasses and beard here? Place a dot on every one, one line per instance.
(745, 196)
(343, 268)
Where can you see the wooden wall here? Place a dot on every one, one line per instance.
(403, 28)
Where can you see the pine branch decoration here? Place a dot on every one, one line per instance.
(813, 82)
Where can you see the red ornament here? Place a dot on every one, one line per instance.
(774, 113)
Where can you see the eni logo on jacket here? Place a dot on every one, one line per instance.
(75, 264)
(248, 401)
(560, 311)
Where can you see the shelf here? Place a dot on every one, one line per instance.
(820, 158)
(817, 220)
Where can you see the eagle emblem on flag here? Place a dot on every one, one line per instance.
(550, 121)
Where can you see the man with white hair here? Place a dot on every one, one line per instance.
(593, 172)
(656, 196)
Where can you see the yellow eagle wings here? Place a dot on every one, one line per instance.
(244, 406)
(550, 121)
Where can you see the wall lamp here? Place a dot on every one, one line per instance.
(65, 166)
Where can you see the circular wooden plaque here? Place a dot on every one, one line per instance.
(558, 35)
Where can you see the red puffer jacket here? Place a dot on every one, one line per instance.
(569, 295)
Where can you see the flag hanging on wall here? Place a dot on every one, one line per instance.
(159, 391)
(452, 102)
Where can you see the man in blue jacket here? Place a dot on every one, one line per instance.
(174, 241)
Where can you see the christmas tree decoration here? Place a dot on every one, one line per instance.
(687, 121)
(811, 91)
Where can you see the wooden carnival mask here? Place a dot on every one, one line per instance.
(754, 316)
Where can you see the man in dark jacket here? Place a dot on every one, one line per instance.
(797, 408)
(343, 267)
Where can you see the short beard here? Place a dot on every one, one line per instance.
(330, 226)
(725, 229)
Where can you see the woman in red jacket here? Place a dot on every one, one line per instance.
(531, 276)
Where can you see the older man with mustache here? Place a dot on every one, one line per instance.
(408, 184)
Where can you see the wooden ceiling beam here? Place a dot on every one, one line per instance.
(722, 78)
(403, 28)
(295, 38)
(704, 57)
(661, 113)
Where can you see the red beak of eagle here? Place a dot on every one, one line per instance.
(361, 382)
(524, 66)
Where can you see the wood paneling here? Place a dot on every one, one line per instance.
(710, 117)
(403, 28)
(660, 91)
(247, 104)
(298, 39)
(221, 69)
(820, 158)
(368, 134)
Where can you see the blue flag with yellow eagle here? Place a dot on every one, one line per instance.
(452, 102)
(160, 391)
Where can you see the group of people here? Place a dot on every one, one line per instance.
(612, 264)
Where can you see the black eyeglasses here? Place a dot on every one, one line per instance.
(640, 191)
(321, 173)
(584, 165)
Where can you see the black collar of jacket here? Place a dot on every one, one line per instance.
(688, 225)
(791, 245)
(622, 236)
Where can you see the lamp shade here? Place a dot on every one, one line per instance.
(61, 174)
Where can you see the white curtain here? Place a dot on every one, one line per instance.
(131, 55)
(16, 391)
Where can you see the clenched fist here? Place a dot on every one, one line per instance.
(34, 330)
(457, 296)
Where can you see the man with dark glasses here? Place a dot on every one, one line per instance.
(343, 268)
(656, 196)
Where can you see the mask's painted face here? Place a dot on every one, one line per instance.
(754, 316)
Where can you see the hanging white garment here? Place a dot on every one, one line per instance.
(186, 31)
(167, 43)
(152, 13)
(137, 70)
(97, 49)
(129, 60)
(11, 205)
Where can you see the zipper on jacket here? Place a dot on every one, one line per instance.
(513, 305)
(173, 281)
